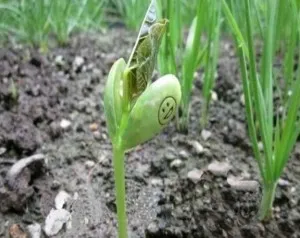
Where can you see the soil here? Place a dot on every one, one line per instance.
(65, 86)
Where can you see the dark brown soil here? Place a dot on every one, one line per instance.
(162, 201)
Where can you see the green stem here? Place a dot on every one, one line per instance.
(119, 174)
(265, 210)
(204, 115)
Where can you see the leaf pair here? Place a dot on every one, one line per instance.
(135, 109)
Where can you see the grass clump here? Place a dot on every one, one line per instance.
(199, 50)
(278, 131)
(34, 22)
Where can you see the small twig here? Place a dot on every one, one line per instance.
(18, 167)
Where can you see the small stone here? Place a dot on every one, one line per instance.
(15, 231)
(55, 221)
(75, 196)
(2, 150)
(219, 168)
(93, 127)
(195, 175)
(152, 229)
(293, 189)
(65, 124)
(205, 134)
(156, 182)
(104, 136)
(61, 198)
(243, 185)
(283, 183)
(104, 161)
(89, 164)
(81, 106)
(176, 163)
(35, 230)
(55, 184)
(197, 146)
(214, 96)
(78, 62)
(59, 60)
(276, 209)
(170, 156)
(242, 99)
(97, 135)
(183, 154)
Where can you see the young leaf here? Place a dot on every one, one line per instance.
(113, 97)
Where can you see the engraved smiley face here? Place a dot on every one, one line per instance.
(166, 110)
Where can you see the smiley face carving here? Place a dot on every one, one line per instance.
(166, 110)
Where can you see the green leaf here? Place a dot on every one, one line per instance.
(153, 110)
(113, 97)
(142, 61)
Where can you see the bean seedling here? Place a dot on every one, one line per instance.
(135, 108)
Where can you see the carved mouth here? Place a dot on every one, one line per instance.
(169, 113)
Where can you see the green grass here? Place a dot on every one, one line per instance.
(28, 20)
(279, 137)
(34, 22)
(172, 41)
(200, 49)
(211, 58)
(130, 11)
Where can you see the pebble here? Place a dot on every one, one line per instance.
(35, 230)
(55, 221)
(59, 60)
(93, 127)
(214, 96)
(276, 209)
(242, 99)
(97, 135)
(65, 124)
(283, 182)
(176, 163)
(293, 189)
(205, 134)
(2, 150)
(78, 62)
(55, 184)
(195, 175)
(89, 164)
(219, 168)
(104, 136)
(197, 146)
(170, 155)
(243, 185)
(152, 229)
(15, 231)
(61, 198)
(184, 154)
(81, 106)
(156, 182)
